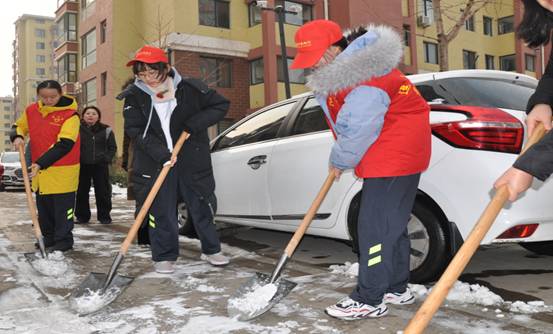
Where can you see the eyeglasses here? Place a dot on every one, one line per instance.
(152, 74)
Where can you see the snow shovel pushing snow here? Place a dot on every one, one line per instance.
(32, 209)
(439, 292)
(96, 284)
(262, 291)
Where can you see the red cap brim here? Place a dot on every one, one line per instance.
(307, 59)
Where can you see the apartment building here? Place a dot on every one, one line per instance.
(6, 121)
(33, 57)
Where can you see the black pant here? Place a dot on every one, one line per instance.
(55, 216)
(161, 220)
(202, 211)
(99, 174)
(384, 246)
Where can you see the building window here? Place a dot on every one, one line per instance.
(40, 71)
(469, 23)
(7, 108)
(490, 62)
(430, 53)
(40, 59)
(507, 63)
(67, 68)
(469, 59)
(216, 71)
(427, 9)
(488, 26)
(505, 25)
(86, 3)
(254, 14)
(214, 13)
(256, 71)
(67, 28)
(103, 27)
(40, 33)
(104, 84)
(304, 12)
(7, 116)
(40, 21)
(89, 92)
(406, 35)
(295, 76)
(89, 48)
(40, 45)
(530, 62)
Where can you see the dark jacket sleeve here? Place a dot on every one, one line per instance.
(213, 108)
(544, 91)
(538, 160)
(56, 152)
(111, 147)
(125, 156)
(135, 124)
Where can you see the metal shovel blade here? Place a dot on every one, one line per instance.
(94, 284)
(234, 308)
(31, 257)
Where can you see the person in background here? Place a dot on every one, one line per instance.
(98, 148)
(382, 131)
(52, 125)
(159, 106)
(535, 29)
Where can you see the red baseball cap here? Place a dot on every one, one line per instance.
(149, 55)
(312, 40)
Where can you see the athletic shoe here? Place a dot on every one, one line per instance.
(396, 298)
(349, 309)
(164, 267)
(217, 259)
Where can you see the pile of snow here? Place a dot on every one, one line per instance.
(473, 294)
(347, 268)
(55, 265)
(256, 299)
(527, 308)
(92, 301)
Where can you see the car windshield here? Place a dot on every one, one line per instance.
(10, 157)
(480, 92)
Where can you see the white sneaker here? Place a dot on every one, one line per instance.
(217, 259)
(164, 267)
(349, 309)
(395, 298)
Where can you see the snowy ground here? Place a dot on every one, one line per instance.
(193, 299)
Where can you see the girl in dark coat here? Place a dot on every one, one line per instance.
(535, 29)
(98, 148)
(159, 106)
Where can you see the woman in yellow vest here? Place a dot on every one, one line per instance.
(52, 125)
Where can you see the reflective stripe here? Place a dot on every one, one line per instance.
(375, 249)
(152, 224)
(70, 216)
(70, 211)
(375, 260)
(152, 218)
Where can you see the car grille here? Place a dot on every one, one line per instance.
(19, 173)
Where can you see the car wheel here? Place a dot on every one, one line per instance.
(429, 252)
(186, 227)
(540, 247)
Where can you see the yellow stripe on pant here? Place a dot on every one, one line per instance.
(377, 259)
(152, 221)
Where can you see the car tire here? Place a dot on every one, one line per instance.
(429, 251)
(540, 247)
(186, 226)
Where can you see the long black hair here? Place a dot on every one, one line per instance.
(49, 84)
(536, 25)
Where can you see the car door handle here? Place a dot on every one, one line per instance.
(257, 161)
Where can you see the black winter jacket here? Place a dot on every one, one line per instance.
(198, 107)
(97, 144)
(538, 160)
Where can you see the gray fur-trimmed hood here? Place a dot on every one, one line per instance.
(375, 53)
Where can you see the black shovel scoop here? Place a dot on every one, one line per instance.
(98, 283)
(262, 292)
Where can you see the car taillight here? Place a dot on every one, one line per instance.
(519, 231)
(487, 129)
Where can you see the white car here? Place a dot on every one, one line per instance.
(13, 175)
(269, 167)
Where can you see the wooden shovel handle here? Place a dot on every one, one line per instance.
(29, 193)
(151, 196)
(439, 292)
(296, 238)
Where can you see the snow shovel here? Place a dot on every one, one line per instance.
(32, 209)
(439, 292)
(98, 283)
(247, 303)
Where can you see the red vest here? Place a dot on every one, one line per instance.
(403, 147)
(44, 132)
